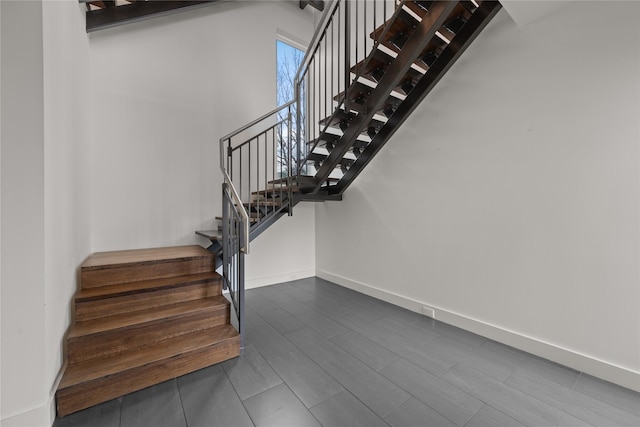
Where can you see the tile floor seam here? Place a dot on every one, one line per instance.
(184, 412)
(426, 403)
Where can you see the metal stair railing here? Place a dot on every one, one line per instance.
(270, 163)
(263, 160)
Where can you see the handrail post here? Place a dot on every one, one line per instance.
(347, 54)
(290, 159)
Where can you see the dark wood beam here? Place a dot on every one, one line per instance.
(317, 4)
(138, 11)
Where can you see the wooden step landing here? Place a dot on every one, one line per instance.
(108, 268)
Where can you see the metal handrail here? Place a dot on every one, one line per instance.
(317, 35)
(258, 120)
(241, 210)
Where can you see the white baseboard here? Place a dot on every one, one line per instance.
(280, 278)
(42, 416)
(593, 366)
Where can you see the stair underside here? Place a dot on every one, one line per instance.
(416, 49)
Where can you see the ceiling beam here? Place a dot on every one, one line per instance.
(137, 11)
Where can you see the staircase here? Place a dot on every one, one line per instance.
(369, 65)
(143, 317)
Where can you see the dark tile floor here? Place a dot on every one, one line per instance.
(318, 354)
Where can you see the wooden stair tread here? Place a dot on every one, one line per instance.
(144, 286)
(276, 189)
(102, 324)
(135, 256)
(210, 234)
(92, 369)
(252, 220)
(320, 157)
(420, 8)
(403, 24)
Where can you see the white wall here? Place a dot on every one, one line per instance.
(163, 92)
(285, 251)
(45, 208)
(66, 203)
(509, 201)
(23, 319)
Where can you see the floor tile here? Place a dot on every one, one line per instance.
(322, 324)
(255, 299)
(453, 403)
(252, 319)
(414, 413)
(282, 321)
(371, 388)
(104, 415)
(416, 353)
(310, 383)
(517, 359)
(250, 374)
(208, 399)
(570, 421)
(331, 307)
(337, 345)
(573, 402)
(374, 355)
(508, 400)
(409, 330)
(157, 406)
(268, 341)
(279, 407)
(343, 410)
(615, 395)
(491, 417)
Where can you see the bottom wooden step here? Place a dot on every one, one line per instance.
(94, 381)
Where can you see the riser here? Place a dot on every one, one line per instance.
(100, 344)
(91, 277)
(100, 390)
(86, 310)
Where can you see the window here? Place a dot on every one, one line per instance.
(288, 59)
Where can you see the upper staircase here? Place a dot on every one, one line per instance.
(368, 67)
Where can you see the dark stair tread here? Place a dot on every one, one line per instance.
(144, 286)
(295, 178)
(399, 29)
(459, 12)
(101, 260)
(105, 366)
(376, 68)
(319, 157)
(358, 143)
(420, 8)
(93, 326)
(378, 61)
(212, 235)
(252, 220)
(276, 189)
(436, 46)
(340, 116)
